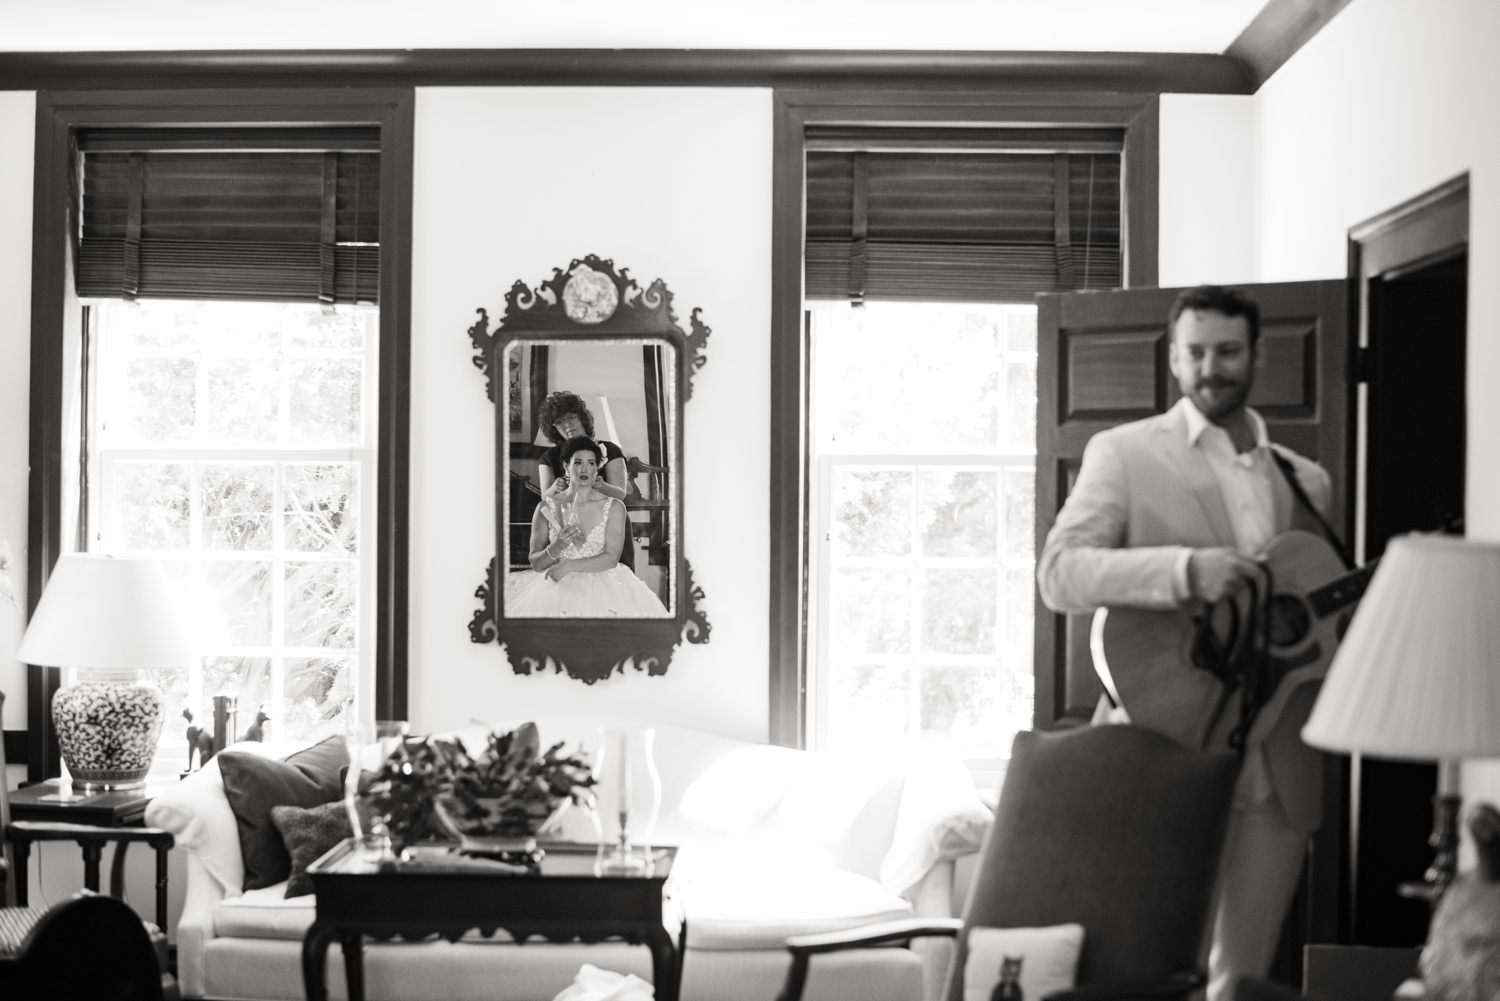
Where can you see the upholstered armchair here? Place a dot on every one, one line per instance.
(1114, 828)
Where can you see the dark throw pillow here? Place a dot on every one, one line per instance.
(253, 785)
(307, 835)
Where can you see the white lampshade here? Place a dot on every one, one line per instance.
(1418, 673)
(104, 612)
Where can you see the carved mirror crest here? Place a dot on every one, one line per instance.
(590, 375)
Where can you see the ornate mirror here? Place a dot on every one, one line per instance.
(590, 376)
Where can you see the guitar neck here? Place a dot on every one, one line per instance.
(1340, 594)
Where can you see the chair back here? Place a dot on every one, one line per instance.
(1116, 828)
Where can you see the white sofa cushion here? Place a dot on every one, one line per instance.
(265, 913)
(761, 908)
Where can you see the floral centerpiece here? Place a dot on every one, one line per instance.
(495, 800)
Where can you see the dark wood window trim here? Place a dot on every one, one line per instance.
(59, 115)
(794, 110)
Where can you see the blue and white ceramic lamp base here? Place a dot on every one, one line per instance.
(107, 725)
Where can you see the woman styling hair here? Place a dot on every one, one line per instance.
(564, 416)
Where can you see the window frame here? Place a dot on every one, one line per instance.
(793, 112)
(59, 114)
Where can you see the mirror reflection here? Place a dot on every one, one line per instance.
(592, 437)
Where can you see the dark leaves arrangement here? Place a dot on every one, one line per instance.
(508, 791)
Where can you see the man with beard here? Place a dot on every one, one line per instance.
(1171, 512)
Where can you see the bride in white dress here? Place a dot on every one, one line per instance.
(576, 538)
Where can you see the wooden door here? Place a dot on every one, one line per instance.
(1102, 361)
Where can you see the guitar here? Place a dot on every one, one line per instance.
(1145, 658)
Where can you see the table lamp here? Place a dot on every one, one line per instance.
(110, 619)
(1417, 676)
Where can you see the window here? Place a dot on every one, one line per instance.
(923, 456)
(234, 441)
(236, 200)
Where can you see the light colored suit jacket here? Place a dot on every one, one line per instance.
(1142, 493)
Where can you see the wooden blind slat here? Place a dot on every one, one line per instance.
(969, 226)
(257, 223)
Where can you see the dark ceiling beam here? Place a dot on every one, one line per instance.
(1141, 72)
(1278, 31)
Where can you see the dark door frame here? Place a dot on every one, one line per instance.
(1137, 114)
(59, 114)
(1421, 231)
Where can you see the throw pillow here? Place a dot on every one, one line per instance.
(253, 785)
(1049, 959)
(307, 834)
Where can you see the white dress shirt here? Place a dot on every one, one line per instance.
(1244, 481)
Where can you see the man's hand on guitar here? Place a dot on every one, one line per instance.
(1215, 573)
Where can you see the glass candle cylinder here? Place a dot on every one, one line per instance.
(628, 794)
(370, 744)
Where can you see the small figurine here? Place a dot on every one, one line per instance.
(256, 731)
(198, 739)
(1009, 987)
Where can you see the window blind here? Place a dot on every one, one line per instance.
(982, 225)
(260, 214)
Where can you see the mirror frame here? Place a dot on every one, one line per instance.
(589, 649)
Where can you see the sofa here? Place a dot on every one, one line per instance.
(772, 842)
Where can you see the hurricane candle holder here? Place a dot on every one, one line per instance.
(628, 792)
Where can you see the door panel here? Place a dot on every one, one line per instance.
(1102, 361)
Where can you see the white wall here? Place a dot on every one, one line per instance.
(1207, 190)
(671, 183)
(17, 139)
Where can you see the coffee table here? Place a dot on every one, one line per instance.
(444, 894)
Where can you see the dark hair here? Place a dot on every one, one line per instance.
(559, 405)
(583, 443)
(1217, 299)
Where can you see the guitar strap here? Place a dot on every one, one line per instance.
(1290, 474)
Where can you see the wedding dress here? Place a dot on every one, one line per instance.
(596, 594)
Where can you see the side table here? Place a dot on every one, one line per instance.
(448, 895)
(90, 822)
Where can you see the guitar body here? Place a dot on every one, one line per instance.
(1148, 654)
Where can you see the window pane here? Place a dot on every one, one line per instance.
(153, 504)
(243, 398)
(959, 513)
(869, 705)
(958, 611)
(319, 691)
(909, 377)
(161, 395)
(958, 709)
(247, 678)
(322, 505)
(1020, 331)
(1020, 405)
(243, 590)
(1020, 607)
(325, 400)
(173, 683)
(153, 323)
(872, 513)
(237, 505)
(320, 604)
(236, 326)
(1020, 507)
(872, 611)
(313, 328)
